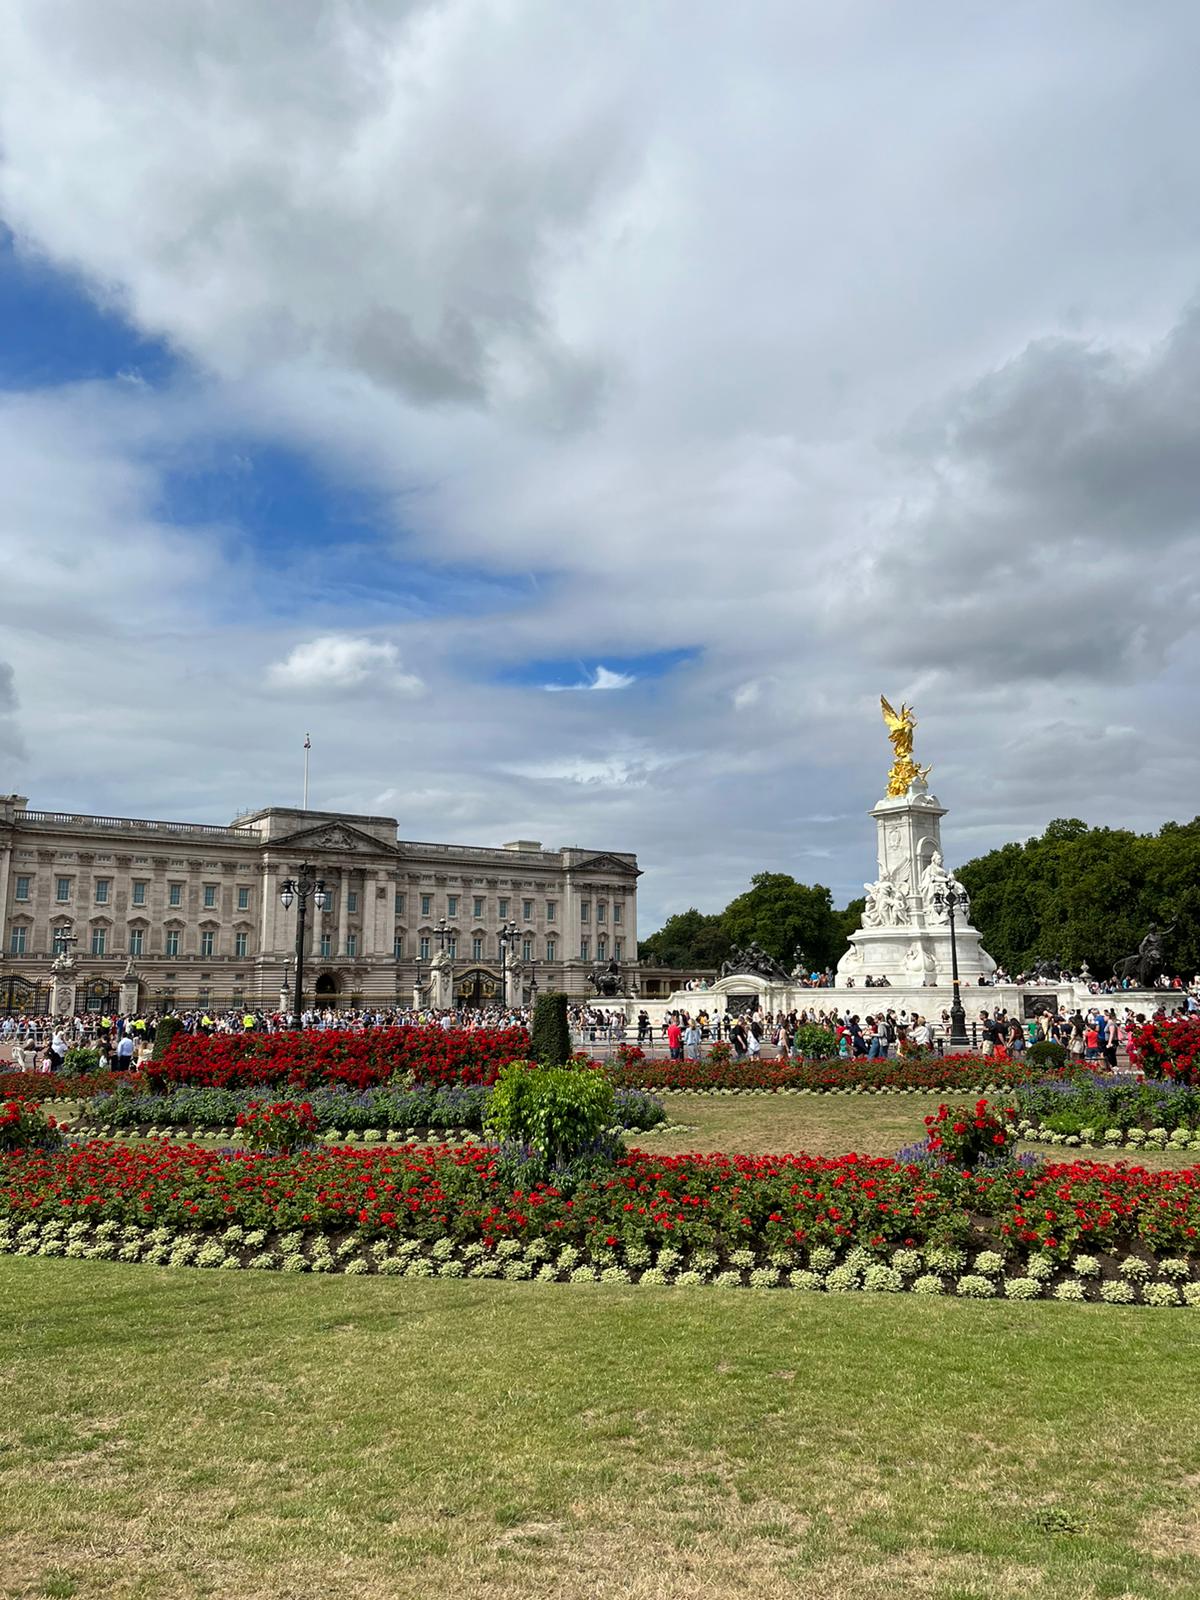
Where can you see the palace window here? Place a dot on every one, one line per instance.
(137, 941)
(172, 944)
(351, 944)
(240, 944)
(326, 945)
(103, 885)
(174, 894)
(601, 946)
(617, 947)
(210, 896)
(526, 949)
(426, 905)
(99, 940)
(551, 910)
(551, 948)
(478, 911)
(527, 911)
(208, 942)
(585, 948)
(352, 900)
(202, 996)
(62, 890)
(452, 949)
(16, 941)
(243, 898)
(585, 911)
(399, 904)
(398, 947)
(139, 892)
(601, 910)
(423, 950)
(22, 889)
(451, 905)
(616, 911)
(504, 911)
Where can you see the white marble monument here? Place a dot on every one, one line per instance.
(905, 933)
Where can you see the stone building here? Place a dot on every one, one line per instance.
(182, 914)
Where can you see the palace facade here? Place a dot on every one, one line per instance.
(181, 914)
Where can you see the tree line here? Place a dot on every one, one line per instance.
(1074, 894)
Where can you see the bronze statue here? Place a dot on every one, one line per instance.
(904, 770)
(607, 980)
(1145, 967)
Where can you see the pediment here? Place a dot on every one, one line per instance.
(333, 836)
(606, 863)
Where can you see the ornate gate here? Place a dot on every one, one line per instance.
(98, 995)
(22, 997)
(477, 987)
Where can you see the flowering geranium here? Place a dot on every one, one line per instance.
(719, 1070)
(25, 1127)
(339, 1056)
(1168, 1048)
(964, 1135)
(282, 1126)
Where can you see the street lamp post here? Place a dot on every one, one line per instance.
(65, 939)
(947, 899)
(506, 936)
(299, 889)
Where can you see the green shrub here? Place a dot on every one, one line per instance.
(80, 1060)
(560, 1112)
(814, 1043)
(166, 1030)
(1046, 1053)
(550, 1036)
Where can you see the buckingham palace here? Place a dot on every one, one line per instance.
(125, 913)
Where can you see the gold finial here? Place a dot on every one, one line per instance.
(904, 770)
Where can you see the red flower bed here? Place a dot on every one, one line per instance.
(317, 1057)
(763, 1203)
(905, 1072)
(50, 1085)
(1169, 1049)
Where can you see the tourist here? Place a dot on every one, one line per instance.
(675, 1038)
(691, 1042)
(737, 1038)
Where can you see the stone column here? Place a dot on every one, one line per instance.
(343, 909)
(369, 901)
(62, 995)
(128, 999)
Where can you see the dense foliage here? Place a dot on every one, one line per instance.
(968, 1136)
(1080, 894)
(282, 1125)
(1098, 1104)
(24, 1126)
(328, 1056)
(776, 912)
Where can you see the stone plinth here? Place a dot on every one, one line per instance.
(904, 936)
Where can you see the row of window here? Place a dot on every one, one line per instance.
(64, 890)
(241, 941)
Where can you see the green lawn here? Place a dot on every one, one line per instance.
(832, 1124)
(171, 1433)
(180, 1433)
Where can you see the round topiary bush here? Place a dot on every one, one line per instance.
(1046, 1053)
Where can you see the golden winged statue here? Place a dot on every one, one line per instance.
(904, 770)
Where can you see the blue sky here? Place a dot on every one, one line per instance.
(582, 465)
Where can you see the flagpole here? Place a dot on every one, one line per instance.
(307, 748)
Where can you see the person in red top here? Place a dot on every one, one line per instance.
(675, 1039)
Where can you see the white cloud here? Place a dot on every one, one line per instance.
(337, 663)
(601, 678)
(647, 330)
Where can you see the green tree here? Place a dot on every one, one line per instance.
(688, 939)
(783, 916)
